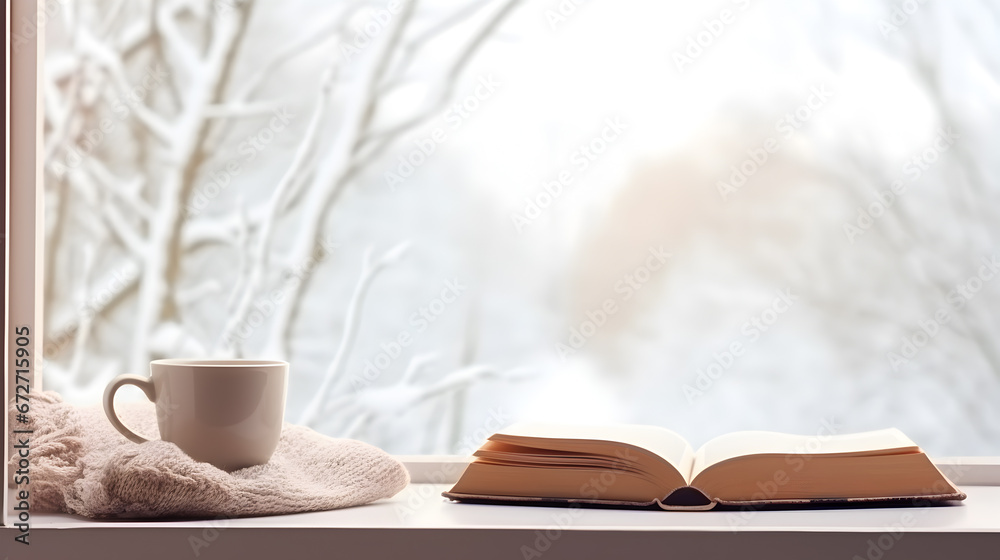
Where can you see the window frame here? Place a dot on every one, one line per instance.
(437, 469)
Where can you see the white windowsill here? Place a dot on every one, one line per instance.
(420, 523)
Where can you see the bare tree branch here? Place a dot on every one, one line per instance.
(382, 139)
(344, 166)
(352, 322)
(162, 269)
(258, 261)
(328, 180)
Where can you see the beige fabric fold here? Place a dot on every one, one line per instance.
(80, 464)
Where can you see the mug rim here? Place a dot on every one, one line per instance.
(211, 363)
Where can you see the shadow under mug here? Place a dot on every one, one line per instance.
(225, 412)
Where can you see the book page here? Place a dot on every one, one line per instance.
(738, 444)
(660, 441)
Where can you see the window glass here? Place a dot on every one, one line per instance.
(450, 216)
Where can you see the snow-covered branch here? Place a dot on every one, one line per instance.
(346, 159)
(126, 191)
(86, 320)
(414, 45)
(328, 30)
(180, 48)
(114, 66)
(329, 178)
(110, 215)
(162, 270)
(240, 110)
(352, 322)
(373, 403)
(258, 260)
(374, 142)
(134, 187)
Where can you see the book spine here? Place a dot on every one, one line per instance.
(24, 232)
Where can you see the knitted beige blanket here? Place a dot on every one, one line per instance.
(80, 464)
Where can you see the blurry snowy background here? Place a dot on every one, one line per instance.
(448, 216)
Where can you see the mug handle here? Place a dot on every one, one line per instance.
(143, 383)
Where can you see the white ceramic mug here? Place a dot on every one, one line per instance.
(225, 412)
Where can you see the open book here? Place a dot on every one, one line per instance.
(647, 466)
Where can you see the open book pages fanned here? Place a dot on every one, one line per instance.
(647, 466)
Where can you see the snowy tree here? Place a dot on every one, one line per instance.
(144, 103)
